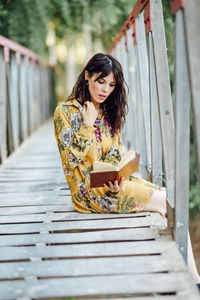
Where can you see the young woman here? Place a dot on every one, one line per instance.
(88, 128)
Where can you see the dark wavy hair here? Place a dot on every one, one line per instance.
(115, 106)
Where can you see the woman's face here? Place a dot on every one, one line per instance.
(100, 89)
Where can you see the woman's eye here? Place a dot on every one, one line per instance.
(100, 81)
(112, 85)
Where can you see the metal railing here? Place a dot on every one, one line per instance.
(25, 94)
(152, 128)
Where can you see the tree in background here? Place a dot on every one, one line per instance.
(25, 21)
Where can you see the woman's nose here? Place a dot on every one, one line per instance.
(105, 87)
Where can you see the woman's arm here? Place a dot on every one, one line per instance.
(73, 136)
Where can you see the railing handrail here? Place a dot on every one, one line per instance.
(138, 8)
(25, 94)
(18, 49)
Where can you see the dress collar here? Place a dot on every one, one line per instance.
(75, 103)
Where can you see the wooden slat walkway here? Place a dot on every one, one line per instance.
(47, 250)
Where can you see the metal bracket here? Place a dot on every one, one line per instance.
(147, 18)
(134, 33)
(6, 53)
(175, 5)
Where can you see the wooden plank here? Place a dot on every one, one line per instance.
(165, 104)
(34, 164)
(144, 81)
(192, 25)
(30, 97)
(87, 250)
(182, 123)
(156, 144)
(164, 95)
(36, 198)
(66, 216)
(136, 234)
(127, 129)
(140, 122)
(59, 191)
(14, 99)
(108, 285)
(32, 159)
(79, 225)
(23, 98)
(14, 174)
(27, 186)
(37, 97)
(35, 209)
(132, 123)
(156, 296)
(3, 114)
(88, 267)
(9, 134)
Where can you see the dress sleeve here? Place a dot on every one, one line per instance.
(113, 156)
(74, 137)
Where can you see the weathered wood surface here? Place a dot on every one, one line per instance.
(143, 72)
(165, 104)
(48, 250)
(25, 95)
(156, 143)
(182, 124)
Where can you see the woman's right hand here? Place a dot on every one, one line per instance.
(89, 113)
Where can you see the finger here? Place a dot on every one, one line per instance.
(110, 184)
(116, 184)
(106, 186)
(89, 103)
(121, 183)
(85, 106)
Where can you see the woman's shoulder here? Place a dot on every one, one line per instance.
(69, 106)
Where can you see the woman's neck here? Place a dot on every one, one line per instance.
(96, 105)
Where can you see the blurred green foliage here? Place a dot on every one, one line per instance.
(169, 33)
(194, 176)
(25, 21)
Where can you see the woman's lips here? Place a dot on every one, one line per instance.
(102, 96)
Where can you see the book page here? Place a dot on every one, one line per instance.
(127, 157)
(99, 166)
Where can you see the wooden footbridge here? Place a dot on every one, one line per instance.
(50, 251)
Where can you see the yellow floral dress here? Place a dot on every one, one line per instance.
(80, 145)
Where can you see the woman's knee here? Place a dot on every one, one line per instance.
(157, 203)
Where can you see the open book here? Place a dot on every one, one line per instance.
(104, 172)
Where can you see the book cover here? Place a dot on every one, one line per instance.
(104, 172)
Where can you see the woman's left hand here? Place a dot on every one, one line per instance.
(116, 186)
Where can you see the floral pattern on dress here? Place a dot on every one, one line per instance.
(66, 170)
(76, 120)
(73, 160)
(112, 156)
(82, 189)
(67, 136)
(107, 204)
(107, 121)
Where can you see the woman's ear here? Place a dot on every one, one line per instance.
(86, 75)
